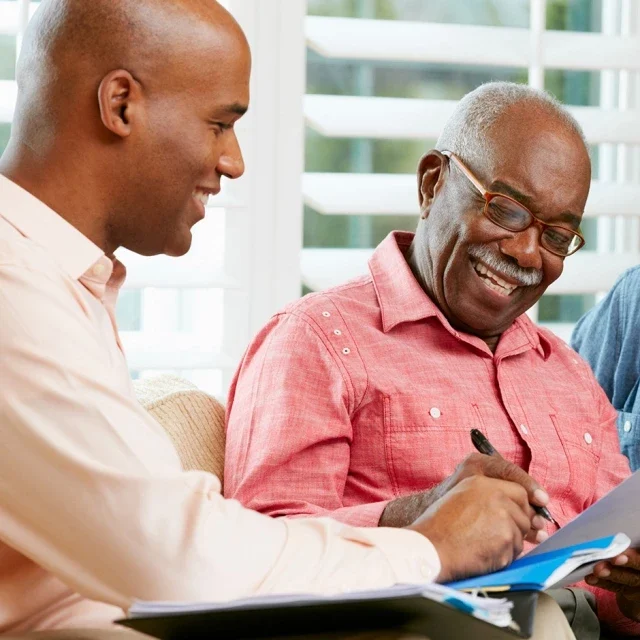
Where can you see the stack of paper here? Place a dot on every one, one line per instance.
(497, 611)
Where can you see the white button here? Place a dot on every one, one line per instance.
(575, 361)
(588, 438)
(326, 314)
(523, 428)
(346, 351)
(627, 426)
(434, 412)
(338, 332)
(98, 269)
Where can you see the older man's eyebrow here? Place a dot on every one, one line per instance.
(573, 219)
(502, 187)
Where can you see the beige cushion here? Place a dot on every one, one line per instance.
(193, 419)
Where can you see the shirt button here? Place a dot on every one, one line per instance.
(98, 269)
(346, 351)
(523, 428)
(434, 412)
(627, 426)
(338, 332)
(588, 438)
(326, 314)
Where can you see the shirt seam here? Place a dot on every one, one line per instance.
(357, 404)
(311, 323)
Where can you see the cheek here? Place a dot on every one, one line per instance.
(552, 268)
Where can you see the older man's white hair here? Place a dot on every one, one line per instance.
(466, 131)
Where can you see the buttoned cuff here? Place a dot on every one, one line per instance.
(411, 556)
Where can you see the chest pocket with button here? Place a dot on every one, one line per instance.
(580, 452)
(425, 439)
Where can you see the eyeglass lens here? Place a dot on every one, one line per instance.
(507, 214)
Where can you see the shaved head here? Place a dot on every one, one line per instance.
(72, 44)
(140, 95)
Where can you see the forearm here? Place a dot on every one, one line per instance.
(405, 510)
(401, 512)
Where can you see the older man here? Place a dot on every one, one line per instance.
(357, 402)
(124, 125)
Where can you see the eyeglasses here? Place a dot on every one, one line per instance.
(513, 216)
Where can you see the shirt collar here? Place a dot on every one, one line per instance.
(400, 296)
(402, 299)
(73, 251)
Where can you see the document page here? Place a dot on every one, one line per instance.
(617, 512)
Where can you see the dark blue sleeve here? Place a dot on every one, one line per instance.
(608, 337)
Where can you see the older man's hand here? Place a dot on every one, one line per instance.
(621, 575)
(403, 511)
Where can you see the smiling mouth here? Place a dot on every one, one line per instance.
(492, 280)
(202, 195)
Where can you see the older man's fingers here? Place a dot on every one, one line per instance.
(632, 594)
(630, 559)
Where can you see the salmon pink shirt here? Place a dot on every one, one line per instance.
(363, 393)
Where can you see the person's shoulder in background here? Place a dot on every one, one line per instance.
(608, 333)
(608, 338)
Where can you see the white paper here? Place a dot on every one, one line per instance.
(574, 569)
(494, 610)
(617, 512)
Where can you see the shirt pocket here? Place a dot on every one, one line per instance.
(629, 435)
(425, 440)
(581, 449)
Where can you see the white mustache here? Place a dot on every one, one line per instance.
(526, 277)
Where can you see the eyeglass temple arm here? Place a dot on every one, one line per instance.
(474, 181)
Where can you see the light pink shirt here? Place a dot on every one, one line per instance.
(93, 500)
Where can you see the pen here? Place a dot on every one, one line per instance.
(481, 443)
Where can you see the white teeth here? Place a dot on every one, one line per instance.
(202, 196)
(495, 282)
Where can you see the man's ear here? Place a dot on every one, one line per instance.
(431, 175)
(119, 98)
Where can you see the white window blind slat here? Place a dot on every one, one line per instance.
(424, 42)
(324, 268)
(8, 96)
(397, 194)
(10, 16)
(406, 118)
(172, 351)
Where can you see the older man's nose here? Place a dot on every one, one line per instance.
(524, 247)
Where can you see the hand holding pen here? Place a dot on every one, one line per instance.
(538, 498)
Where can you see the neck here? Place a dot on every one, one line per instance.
(65, 185)
(416, 261)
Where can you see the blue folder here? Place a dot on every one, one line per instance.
(545, 570)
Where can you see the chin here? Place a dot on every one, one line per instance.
(177, 249)
(179, 242)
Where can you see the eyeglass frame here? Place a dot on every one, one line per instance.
(490, 195)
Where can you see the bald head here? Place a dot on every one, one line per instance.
(70, 45)
(125, 116)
